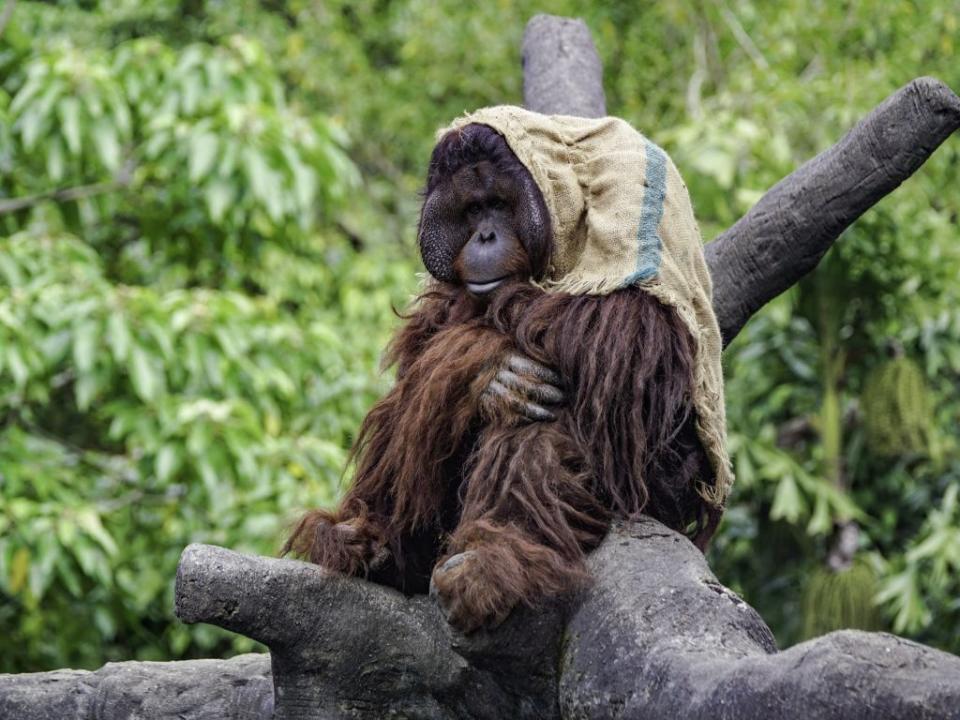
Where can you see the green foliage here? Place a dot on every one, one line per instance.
(839, 600)
(187, 343)
(206, 213)
(924, 577)
(896, 409)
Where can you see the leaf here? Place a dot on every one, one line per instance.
(191, 92)
(259, 174)
(19, 569)
(167, 462)
(219, 194)
(85, 337)
(787, 503)
(203, 154)
(85, 390)
(18, 368)
(89, 521)
(108, 147)
(41, 570)
(118, 335)
(56, 163)
(31, 124)
(143, 375)
(69, 111)
(820, 521)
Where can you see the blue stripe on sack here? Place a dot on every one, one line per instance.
(649, 245)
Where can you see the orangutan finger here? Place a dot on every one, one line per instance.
(539, 391)
(527, 408)
(380, 558)
(525, 366)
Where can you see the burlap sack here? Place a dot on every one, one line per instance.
(622, 216)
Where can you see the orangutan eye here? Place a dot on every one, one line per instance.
(498, 204)
(473, 210)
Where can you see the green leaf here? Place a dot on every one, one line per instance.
(85, 338)
(167, 462)
(18, 368)
(69, 111)
(89, 521)
(56, 162)
(203, 153)
(108, 147)
(143, 374)
(788, 504)
(85, 389)
(118, 335)
(219, 195)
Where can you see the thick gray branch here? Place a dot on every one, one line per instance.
(562, 73)
(657, 636)
(345, 648)
(239, 689)
(787, 232)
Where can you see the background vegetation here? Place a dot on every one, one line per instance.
(207, 212)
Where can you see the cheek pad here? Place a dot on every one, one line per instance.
(441, 237)
(533, 224)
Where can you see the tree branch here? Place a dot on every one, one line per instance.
(79, 192)
(237, 689)
(562, 72)
(786, 233)
(657, 636)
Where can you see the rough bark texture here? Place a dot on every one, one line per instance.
(345, 648)
(240, 688)
(562, 73)
(655, 637)
(659, 637)
(786, 233)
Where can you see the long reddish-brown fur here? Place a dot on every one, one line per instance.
(437, 474)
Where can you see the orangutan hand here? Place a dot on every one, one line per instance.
(523, 389)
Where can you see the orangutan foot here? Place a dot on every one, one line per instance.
(469, 592)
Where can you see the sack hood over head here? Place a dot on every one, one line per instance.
(621, 216)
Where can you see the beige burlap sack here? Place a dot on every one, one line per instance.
(622, 216)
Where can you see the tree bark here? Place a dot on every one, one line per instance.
(786, 233)
(656, 636)
(237, 689)
(562, 72)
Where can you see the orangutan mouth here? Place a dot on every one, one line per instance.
(483, 287)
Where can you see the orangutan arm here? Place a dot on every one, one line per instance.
(528, 519)
(409, 451)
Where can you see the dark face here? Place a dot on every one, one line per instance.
(484, 221)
